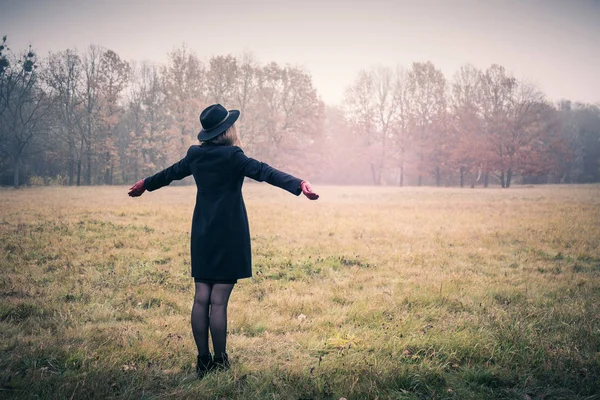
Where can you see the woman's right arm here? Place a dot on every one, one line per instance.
(177, 171)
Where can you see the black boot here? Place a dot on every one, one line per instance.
(221, 363)
(205, 364)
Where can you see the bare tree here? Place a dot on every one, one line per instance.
(426, 86)
(143, 147)
(89, 97)
(400, 124)
(577, 142)
(63, 75)
(587, 149)
(113, 77)
(511, 111)
(522, 144)
(468, 148)
(222, 79)
(184, 86)
(23, 106)
(497, 88)
(247, 99)
(377, 108)
(289, 112)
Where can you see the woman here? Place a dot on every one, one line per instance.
(220, 239)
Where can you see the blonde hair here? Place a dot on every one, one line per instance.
(227, 138)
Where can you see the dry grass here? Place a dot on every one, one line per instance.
(367, 293)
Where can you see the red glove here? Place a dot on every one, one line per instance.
(307, 190)
(137, 189)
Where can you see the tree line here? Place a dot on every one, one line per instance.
(89, 117)
(482, 126)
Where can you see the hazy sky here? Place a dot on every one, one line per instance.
(555, 44)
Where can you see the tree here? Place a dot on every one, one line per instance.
(532, 157)
(145, 140)
(233, 82)
(387, 101)
(524, 145)
(222, 80)
(566, 143)
(289, 116)
(63, 75)
(426, 88)
(401, 129)
(497, 89)
(587, 154)
(514, 124)
(184, 83)
(247, 100)
(365, 116)
(303, 117)
(89, 97)
(113, 77)
(468, 147)
(23, 106)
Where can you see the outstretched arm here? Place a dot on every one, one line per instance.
(177, 171)
(307, 190)
(138, 189)
(263, 172)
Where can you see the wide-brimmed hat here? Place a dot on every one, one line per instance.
(215, 120)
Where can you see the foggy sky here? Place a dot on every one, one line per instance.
(554, 44)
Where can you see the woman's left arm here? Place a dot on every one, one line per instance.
(263, 172)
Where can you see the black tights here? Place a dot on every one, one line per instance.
(210, 311)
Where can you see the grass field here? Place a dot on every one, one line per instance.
(368, 293)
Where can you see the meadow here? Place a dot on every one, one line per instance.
(367, 293)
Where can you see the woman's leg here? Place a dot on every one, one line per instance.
(200, 317)
(219, 298)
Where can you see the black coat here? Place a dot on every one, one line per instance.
(220, 239)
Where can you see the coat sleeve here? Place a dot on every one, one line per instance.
(177, 171)
(263, 172)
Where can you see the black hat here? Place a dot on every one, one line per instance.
(215, 120)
